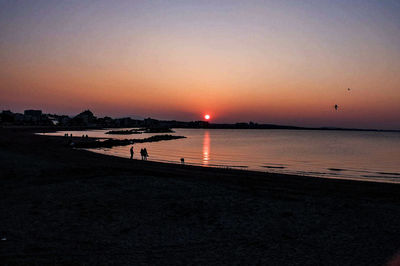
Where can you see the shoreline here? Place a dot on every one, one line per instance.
(246, 169)
(60, 142)
(391, 178)
(43, 132)
(66, 206)
(386, 177)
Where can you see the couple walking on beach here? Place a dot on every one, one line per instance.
(143, 153)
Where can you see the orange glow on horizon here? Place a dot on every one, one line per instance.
(242, 65)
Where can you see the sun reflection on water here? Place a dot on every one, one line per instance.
(206, 147)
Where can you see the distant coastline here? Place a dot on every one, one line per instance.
(87, 120)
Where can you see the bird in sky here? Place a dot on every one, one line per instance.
(336, 107)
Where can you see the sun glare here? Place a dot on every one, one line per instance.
(207, 117)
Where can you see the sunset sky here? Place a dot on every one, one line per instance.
(283, 62)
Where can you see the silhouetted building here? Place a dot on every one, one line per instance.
(64, 120)
(33, 113)
(85, 118)
(53, 120)
(7, 116)
(33, 116)
(105, 121)
(149, 122)
(125, 122)
(19, 118)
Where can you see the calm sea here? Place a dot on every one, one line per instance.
(373, 156)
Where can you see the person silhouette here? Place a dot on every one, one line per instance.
(131, 150)
(145, 154)
(142, 153)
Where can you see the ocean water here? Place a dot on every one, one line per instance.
(360, 155)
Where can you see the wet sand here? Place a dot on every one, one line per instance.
(60, 206)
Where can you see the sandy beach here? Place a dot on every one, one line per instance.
(62, 206)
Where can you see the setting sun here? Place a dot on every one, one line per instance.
(259, 126)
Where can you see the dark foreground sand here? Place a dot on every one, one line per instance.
(60, 206)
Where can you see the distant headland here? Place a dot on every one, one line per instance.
(87, 119)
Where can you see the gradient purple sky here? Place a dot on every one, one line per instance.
(283, 62)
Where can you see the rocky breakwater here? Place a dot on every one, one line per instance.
(109, 143)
